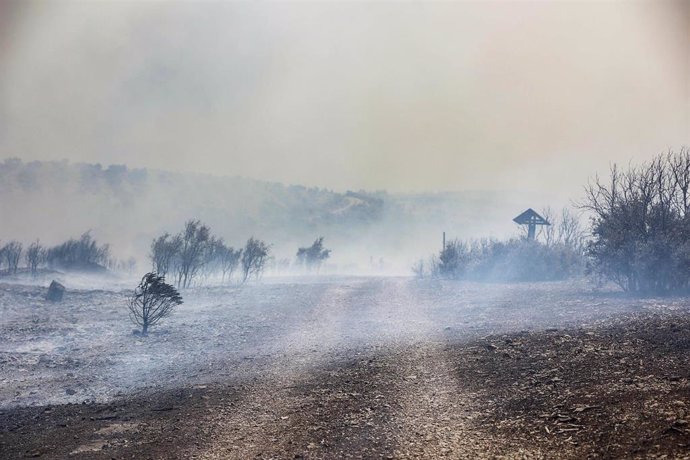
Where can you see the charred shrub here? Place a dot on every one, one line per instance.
(12, 253)
(512, 260)
(83, 254)
(558, 253)
(641, 225)
(153, 299)
(453, 260)
(313, 256)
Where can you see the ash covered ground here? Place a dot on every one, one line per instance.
(347, 368)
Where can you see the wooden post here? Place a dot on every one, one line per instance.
(444, 240)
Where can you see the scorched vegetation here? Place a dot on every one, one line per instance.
(152, 301)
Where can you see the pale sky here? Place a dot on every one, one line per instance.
(400, 96)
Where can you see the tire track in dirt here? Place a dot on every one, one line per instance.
(314, 400)
(436, 417)
(394, 397)
(397, 398)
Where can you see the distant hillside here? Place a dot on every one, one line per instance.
(128, 207)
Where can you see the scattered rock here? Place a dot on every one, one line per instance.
(56, 291)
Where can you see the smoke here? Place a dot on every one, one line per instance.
(512, 104)
(398, 96)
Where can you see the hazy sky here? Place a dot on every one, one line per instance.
(399, 96)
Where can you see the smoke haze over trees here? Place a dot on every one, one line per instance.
(556, 254)
(402, 96)
(83, 254)
(193, 253)
(254, 258)
(127, 208)
(313, 256)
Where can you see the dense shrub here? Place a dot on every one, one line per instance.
(313, 256)
(84, 254)
(557, 254)
(641, 225)
(12, 253)
(511, 260)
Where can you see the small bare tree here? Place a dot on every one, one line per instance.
(548, 232)
(254, 257)
(35, 256)
(152, 300)
(12, 252)
(570, 232)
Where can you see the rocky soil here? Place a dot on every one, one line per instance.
(348, 368)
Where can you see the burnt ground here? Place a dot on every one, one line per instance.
(601, 376)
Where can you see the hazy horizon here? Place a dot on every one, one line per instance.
(402, 97)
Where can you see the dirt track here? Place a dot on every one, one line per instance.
(368, 369)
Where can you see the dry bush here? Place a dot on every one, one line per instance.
(641, 224)
(152, 300)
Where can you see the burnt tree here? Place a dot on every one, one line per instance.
(164, 251)
(12, 253)
(35, 255)
(641, 224)
(153, 299)
(313, 256)
(254, 257)
(229, 260)
(195, 241)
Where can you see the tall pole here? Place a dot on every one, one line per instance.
(444, 240)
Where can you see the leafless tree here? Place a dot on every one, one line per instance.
(548, 232)
(641, 224)
(12, 252)
(152, 300)
(569, 230)
(35, 255)
(254, 257)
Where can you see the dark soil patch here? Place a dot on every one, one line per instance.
(616, 391)
(619, 389)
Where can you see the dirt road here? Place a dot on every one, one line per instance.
(348, 368)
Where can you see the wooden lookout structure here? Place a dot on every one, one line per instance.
(531, 219)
